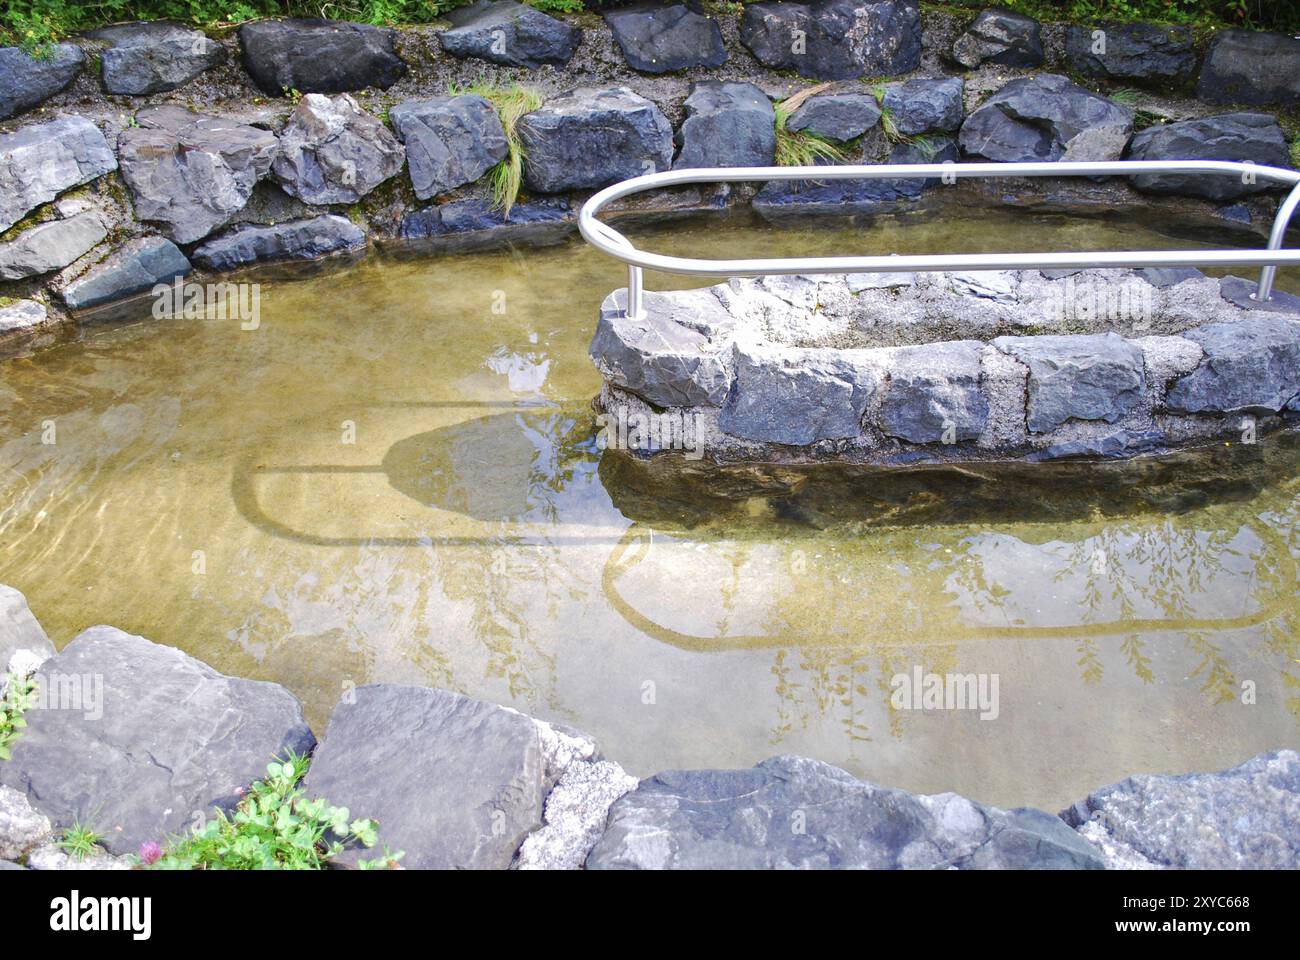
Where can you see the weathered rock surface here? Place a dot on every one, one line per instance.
(509, 33)
(292, 240)
(20, 317)
(154, 57)
(836, 116)
(27, 81)
(1141, 52)
(50, 246)
(465, 225)
(22, 826)
(934, 393)
(1252, 365)
(40, 161)
(192, 172)
(1251, 67)
(50, 857)
(1084, 377)
(925, 106)
(319, 56)
(9, 865)
(1000, 36)
(138, 740)
(1243, 293)
(450, 141)
(780, 198)
(455, 783)
(727, 125)
(574, 817)
(331, 151)
(136, 266)
(19, 630)
(1246, 818)
(792, 812)
(663, 37)
(1046, 118)
(589, 138)
(834, 39)
(1254, 137)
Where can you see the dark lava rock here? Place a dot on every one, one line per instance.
(319, 56)
(791, 812)
(466, 225)
(292, 240)
(1231, 136)
(779, 198)
(1246, 818)
(727, 125)
(42, 160)
(1046, 118)
(589, 138)
(661, 38)
(455, 783)
(1082, 377)
(1140, 52)
(191, 172)
(332, 151)
(450, 141)
(1242, 292)
(154, 57)
(934, 393)
(1117, 445)
(925, 106)
(136, 266)
(1250, 365)
(509, 33)
(26, 81)
(836, 116)
(19, 630)
(51, 245)
(1247, 66)
(1000, 36)
(834, 39)
(142, 740)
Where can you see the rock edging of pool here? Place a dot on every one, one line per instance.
(140, 741)
(902, 369)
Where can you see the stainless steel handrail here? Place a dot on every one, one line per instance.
(608, 240)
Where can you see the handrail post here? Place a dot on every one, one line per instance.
(1264, 291)
(635, 302)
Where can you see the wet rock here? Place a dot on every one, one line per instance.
(1046, 118)
(1231, 136)
(1250, 365)
(1121, 443)
(509, 33)
(727, 125)
(450, 141)
(331, 151)
(1242, 292)
(50, 246)
(746, 819)
(589, 138)
(192, 172)
(574, 816)
(798, 396)
(1082, 377)
(925, 106)
(834, 39)
(319, 56)
(1246, 818)
(309, 239)
(22, 826)
(1139, 52)
(455, 783)
(934, 393)
(780, 198)
(466, 225)
(155, 57)
(44, 159)
(136, 266)
(1164, 277)
(836, 116)
(19, 630)
(1000, 36)
(18, 318)
(661, 38)
(675, 356)
(1251, 67)
(138, 739)
(27, 81)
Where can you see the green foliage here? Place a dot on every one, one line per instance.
(801, 148)
(274, 827)
(1295, 153)
(1254, 14)
(512, 102)
(18, 697)
(79, 841)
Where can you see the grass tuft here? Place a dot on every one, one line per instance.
(512, 103)
(801, 148)
(79, 841)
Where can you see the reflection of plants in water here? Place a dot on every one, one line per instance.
(1219, 684)
(1133, 647)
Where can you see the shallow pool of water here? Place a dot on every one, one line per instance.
(394, 478)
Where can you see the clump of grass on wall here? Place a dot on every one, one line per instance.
(801, 148)
(512, 102)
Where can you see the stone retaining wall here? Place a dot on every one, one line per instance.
(148, 747)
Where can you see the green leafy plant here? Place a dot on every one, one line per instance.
(801, 148)
(19, 693)
(79, 841)
(511, 102)
(1295, 152)
(274, 827)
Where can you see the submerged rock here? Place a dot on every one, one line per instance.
(509, 33)
(319, 56)
(450, 141)
(836, 116)
(51, 245)
(1145, 52)
(466, 225)
(292, 240)
(727, 125)
(44, 159)
(1253, 137)
(661, 38)
(834, 39)
(27, 81)
(19, 318)
(154, 57)
(792, 812)
(1046, 117)
(1081, 377)
(1251, 365)
(1002, 37)
(331, 151)
(1251, 67)
(136, 266)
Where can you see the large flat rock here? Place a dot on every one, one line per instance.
(664, 37)
(139, 740)
(136, 266)
(309, 239)
(42, 160)
(154, 57)
(51, 245)
(332, 151)
(1046, 117)
(450, 141)
(1244, 137)
(1250, 365)
(834, 39)
(27, 81)
(1137, 52)
(934, 393)
(319, 56)
(509, 33)
(727, 125)
(1251, 67)
(1001, 37)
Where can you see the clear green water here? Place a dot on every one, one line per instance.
(201, 493)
